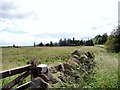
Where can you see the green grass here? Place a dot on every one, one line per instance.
(106, 70)
(14, 57)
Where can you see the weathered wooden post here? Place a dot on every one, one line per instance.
(38, 81)
(34, 69)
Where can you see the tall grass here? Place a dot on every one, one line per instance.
(106, 70)
(15, 57)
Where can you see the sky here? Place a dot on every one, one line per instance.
(23, 22)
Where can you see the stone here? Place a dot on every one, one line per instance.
(76, 52)
(67, 66)
(39, 83)
(89, 55)
(52, 69)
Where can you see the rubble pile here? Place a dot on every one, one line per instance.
(78, 66)
(85, 60)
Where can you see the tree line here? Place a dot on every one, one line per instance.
(112, 42)
(99, 39)
(68, 42)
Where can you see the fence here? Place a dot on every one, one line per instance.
(27, 70)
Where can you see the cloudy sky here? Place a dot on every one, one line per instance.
(23, 22)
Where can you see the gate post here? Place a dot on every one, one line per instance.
(34, 69)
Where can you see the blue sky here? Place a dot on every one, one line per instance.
(23, 22)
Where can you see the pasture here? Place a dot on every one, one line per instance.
(106, 70)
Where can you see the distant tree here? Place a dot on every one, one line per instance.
(69, 41)
(60, 42)
(47, 44)
(40, 44)
(64, 42)
(13, 45)
(77, 42)
(89, 43)
(100, 39)
(97, 39)
(55, 44)
(73, 41)
(51, 43)
(81, 42)
(34, 44)
(104, 38)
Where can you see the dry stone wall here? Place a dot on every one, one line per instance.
(78, 66)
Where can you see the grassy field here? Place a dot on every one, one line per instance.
(106, 70)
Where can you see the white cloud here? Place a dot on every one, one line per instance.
(50, 17)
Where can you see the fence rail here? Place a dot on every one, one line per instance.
(14, 71)
(24, 86)
(25, 70)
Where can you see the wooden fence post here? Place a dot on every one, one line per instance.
(34, 69)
